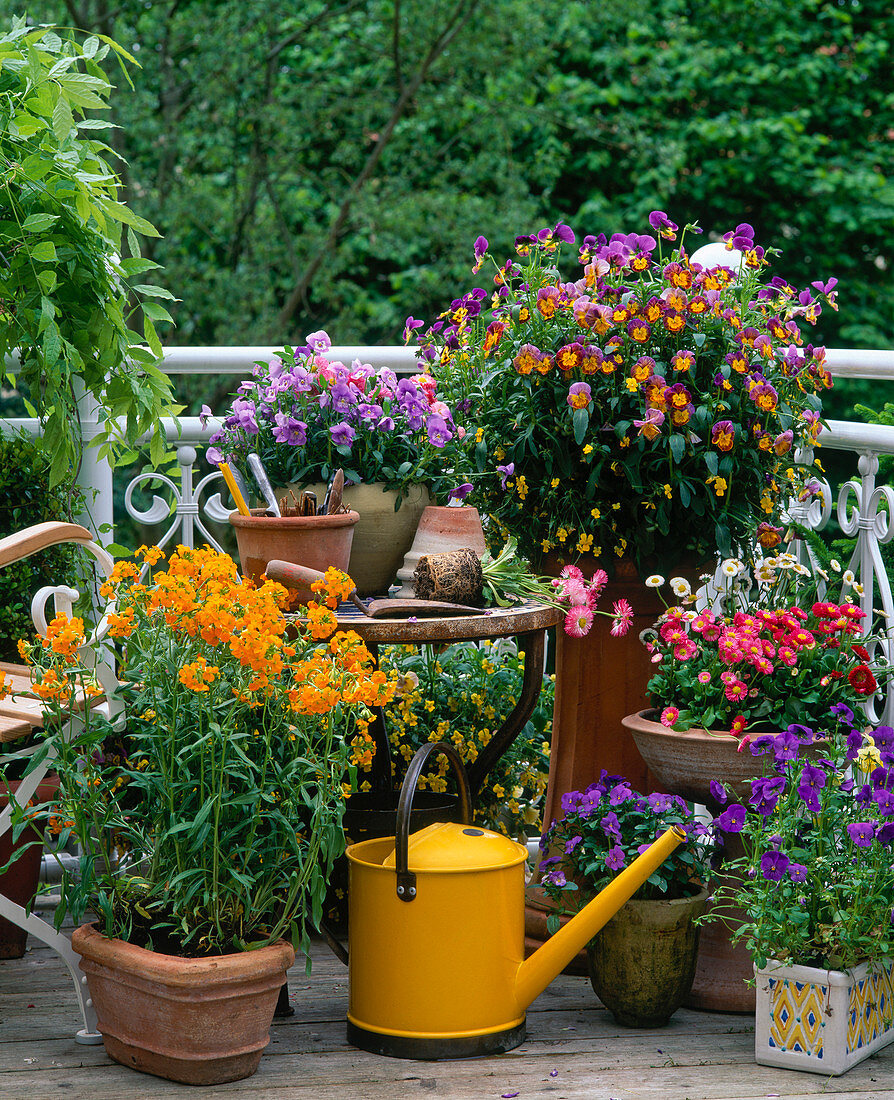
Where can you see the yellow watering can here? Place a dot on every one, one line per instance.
(436, 933)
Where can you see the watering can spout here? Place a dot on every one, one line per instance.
(536, 972)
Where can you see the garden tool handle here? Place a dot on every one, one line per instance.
(290, 574)
(406, 879)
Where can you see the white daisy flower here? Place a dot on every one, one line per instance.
(848, 577)
(731, 568)
(835, 564)
(655, 581)
(680, 586)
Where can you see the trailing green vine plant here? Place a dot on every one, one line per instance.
(67, 293)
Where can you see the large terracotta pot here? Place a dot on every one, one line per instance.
(382, 536)
(685, 763)
(599, 680)
(199, 1021)
(642, 963)
(19, 881)
(315, 541)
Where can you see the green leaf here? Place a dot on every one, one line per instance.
(122, 213)
(63, 121)
(153, 291)
(44, 252)
(678, 447)
(580, 420)
(37, 223)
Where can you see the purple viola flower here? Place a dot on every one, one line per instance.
(662, 225)
(506, 473)
(765, 794)
(461, 491)
(863, 795)
(786, 746)
(550, 861)
(774, 865)
(883, 737)
(243, 416)
(480, 250)
(571, 801)
(319, 342)
(861, 833)
(439, 432)
(215, 456)
(571, 844)
(614, 858)
(342, 434)
(732, 819)
(854, 744)
(386, 424)
(884, 799)
(205, 415)
(763, 744)
(287, 429)
(885, 834)
(410, 327)
(742, 237)
(718, 792)
(797, 872)
(610, 825)
(812, 778)
(659, 803)
(619, 794)
(555, 877)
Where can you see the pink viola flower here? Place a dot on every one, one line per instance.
(650, 427)
(579, 395)
(669, 716)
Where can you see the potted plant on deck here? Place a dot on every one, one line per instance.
(307, 415)
(207, 821)
(642, 963)
(765, 654)
(815, 895)
(641, 411)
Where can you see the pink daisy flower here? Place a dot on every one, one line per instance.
(623, 618)
(578, 621)
(599, 581)
(669, 715)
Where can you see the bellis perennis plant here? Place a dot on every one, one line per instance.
(764, 658)
(307, 414)
(644, 405)
(817, 878)
(605, 828)
(508, 579)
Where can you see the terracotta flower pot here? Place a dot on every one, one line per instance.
(382, 536)
(199, 1021)
(441, 530)
(642, 963)
(314, 541)
(685, 763)
(19, 882)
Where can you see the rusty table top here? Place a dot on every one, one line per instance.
(497, 622)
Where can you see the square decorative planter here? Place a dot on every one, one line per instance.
(822, 1021)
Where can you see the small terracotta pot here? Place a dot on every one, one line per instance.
(313, 541)
(20, 881)
(441, 530)
(199, 1021)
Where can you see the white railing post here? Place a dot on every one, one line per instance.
(95, 473)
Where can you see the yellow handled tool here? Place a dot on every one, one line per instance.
(233, 487)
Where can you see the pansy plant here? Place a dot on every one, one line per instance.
(816, 883)
(604, 829)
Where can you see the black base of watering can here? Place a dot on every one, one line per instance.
(435, 1047)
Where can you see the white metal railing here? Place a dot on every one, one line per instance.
(864, 510)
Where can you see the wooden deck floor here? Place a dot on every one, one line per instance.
(574, 1050)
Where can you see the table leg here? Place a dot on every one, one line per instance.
(532, 646)
(381, 777)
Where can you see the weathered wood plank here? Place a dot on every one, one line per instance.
(574, 1051)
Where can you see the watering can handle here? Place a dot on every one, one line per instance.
(406, 879)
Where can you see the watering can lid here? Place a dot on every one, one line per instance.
(447, 846)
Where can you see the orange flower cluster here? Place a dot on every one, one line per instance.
(335, 587)
(64, 635)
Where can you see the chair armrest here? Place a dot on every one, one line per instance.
(22, 544)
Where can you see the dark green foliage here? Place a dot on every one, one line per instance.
(299, 185)
(25, 499)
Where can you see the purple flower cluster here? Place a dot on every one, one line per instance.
(605, 827)
(302, 406)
